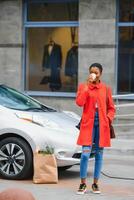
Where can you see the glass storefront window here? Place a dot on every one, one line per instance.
(126, 60)
(126, 10)
(52, 59)
(125, 78)
(51, 50)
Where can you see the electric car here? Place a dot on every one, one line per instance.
(27, 126)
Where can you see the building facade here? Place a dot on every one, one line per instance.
(46, 46)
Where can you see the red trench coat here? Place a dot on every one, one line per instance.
(87, 97)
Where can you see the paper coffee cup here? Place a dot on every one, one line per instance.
(93, 76)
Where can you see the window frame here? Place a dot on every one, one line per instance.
(118, 25)
(42, 24)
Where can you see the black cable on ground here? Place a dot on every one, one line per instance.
(115, 177)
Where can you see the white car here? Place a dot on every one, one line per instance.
(26, 126)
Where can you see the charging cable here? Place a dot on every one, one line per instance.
(115, 177)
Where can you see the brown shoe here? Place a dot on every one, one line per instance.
(95, 188)
(82, 189)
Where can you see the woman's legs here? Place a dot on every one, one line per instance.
(84, 164)
(98, 164)
(86, 150)
(98, 151)
(98, 159)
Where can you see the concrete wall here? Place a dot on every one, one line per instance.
(96, 37)
(10, 42)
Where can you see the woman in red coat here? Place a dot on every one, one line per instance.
(98, 111)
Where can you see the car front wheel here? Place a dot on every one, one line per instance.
(15, 158)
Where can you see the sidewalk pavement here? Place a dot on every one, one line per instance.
(121, 147)
(112, 189)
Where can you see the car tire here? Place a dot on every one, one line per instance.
(16, 159)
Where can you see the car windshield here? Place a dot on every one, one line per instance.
(13, 99)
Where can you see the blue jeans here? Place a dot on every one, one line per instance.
(86, 151)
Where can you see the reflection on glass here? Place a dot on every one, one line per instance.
(126, 10)
(52, 59)
(126, 60)
(53, 11)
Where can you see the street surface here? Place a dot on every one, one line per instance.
(111, 188)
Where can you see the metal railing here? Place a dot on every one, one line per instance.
(124, 110)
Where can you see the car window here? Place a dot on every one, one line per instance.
(13, 99)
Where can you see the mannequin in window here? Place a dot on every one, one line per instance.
(71, 64)
(52, 59)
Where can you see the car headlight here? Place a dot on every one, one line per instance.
(38, 120)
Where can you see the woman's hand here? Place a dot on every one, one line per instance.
(91, 78)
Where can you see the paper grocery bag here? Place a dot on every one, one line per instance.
(45, 168)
